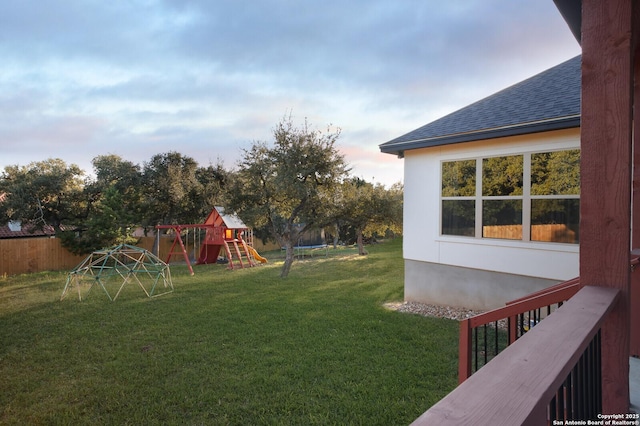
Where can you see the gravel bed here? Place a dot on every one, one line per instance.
(438, 311)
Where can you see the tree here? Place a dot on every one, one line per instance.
(44, 193)
(109, 223)
(114, 210)
(392, 211)
(459, 178)
(370, 209)
(112, 169)
(502, 176)
(287, 188)
(170, 185)
(88, 215)
(115, 175)
(213, 180)
(114, 172)
(555, 173)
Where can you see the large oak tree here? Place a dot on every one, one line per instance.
(369, 209)
(48, 192)
(287, 186)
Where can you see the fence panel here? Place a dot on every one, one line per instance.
(29, 255)
(148, 244)
(558, 233)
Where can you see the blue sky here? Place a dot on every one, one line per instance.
(206, 78)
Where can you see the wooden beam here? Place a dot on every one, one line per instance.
(605, 199)
(635, 218)
(464, 351)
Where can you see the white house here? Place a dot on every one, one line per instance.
(491, 194)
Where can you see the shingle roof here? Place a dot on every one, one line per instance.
(17, 230)
(547, 101)
(230, 220)
(26, 231)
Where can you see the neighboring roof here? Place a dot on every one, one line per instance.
(15, 229)
(25, 231)
(547, 101)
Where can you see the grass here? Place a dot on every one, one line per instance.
(226, 347)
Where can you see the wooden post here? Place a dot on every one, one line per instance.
(605, 216)
(464, 348)
(635, 225)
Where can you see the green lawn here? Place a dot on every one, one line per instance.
(226, 347)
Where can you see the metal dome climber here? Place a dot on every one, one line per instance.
(113, 268)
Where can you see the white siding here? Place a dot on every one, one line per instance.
(422, 239)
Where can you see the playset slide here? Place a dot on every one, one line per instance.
(256, 256)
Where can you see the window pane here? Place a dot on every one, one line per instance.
(502, 219)
(458, 217)
(555, 221)
(459, 178)
(502, 176)
(555, 173)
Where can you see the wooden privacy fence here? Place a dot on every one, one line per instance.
(29, 255)
(558, 233)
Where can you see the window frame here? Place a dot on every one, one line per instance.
(526, 197)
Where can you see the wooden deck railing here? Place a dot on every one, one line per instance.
(550, 373)
(484, 336)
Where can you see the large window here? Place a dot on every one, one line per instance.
(530, 197)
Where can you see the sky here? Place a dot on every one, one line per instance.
(207, 78)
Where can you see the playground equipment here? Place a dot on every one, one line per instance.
(115, 267)
(256, 256)
(223, 232)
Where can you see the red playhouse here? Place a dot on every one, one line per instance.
(222, 231)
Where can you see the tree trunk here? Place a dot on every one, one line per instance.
(361, 250)
(288, 258)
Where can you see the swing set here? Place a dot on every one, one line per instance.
(222, 232)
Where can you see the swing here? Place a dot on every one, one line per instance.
(196, 243)
(193, 255)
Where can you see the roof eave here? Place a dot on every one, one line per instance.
(521, 129)
(571, 11)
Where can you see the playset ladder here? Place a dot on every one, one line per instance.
(238, 246)
(247, 253)
(236, 250)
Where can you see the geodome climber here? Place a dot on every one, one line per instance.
(113, 268)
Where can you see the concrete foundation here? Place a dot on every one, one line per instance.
(476, 289)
